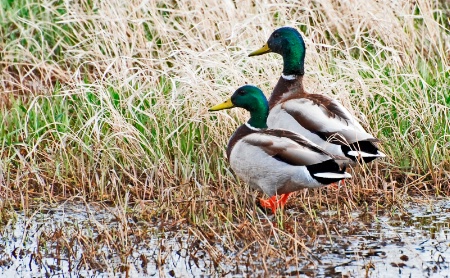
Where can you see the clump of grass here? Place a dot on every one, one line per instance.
(106, 100)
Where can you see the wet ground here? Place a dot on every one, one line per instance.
(86, 241)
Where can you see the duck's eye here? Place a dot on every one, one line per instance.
(276, 35)
(241, 93)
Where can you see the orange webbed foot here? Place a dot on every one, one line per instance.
(274, 203)
(336, 185)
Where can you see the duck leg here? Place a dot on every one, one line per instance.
(269, 203)
(274, 203)
(283, 199)
(336, 185)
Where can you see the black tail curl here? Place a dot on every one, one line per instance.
(328, 166)
(364, 146)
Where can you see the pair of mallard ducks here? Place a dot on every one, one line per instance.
(295, 140)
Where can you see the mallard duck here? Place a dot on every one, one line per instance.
(275, 161)
(319, 118)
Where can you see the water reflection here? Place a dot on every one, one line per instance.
(85, 241)
(412, 244)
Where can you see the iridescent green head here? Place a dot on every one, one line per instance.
(287, 42)
(252, 99)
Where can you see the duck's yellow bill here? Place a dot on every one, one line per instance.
(263, 50)
(225, 105)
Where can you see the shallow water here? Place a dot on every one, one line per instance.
(67, 240)
(415, 244)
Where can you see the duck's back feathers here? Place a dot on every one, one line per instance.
(327, 124)
(331, 107)
(327, 119)
(321, 119)
(280, 161)
(288, 147)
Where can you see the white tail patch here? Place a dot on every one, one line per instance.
(364, 154)
(333, 175)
